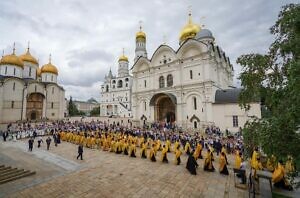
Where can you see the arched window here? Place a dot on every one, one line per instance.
(161, 82)
(107, 88)
(169, 80)
(126, 79)
(113, 81)
(195, 103)
(120, 83)
(195, 124)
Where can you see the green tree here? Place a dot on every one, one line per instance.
(95, 111)
(72, 108)
(275, 79)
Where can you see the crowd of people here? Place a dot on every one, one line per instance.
(154, 143)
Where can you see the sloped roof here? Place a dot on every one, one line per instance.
(227, 95)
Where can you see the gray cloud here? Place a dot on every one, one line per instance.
(87, 37)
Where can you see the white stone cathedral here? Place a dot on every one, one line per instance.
(190, 86)
(28, 92)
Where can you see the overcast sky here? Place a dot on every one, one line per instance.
(86, 37)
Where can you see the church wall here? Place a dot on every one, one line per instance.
(53, 101)
(12, 100)
(223, 115)
(27, 66)
(49, 77)
(10, 70)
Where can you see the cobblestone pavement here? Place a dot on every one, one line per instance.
(104, 174)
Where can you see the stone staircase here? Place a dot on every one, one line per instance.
(8, 174)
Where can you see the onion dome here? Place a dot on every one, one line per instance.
(49, 68)
(12, 59)
(140, 35)
(123, 57)
(203, 34)
(28, 57)
(189, 30)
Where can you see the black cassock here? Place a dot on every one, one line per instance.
(191, 165)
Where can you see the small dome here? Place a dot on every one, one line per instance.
(123, 58)
(204, 33)
(140, 35)
(189, 30)
(28, 57)
(12, 59)
(49, 68)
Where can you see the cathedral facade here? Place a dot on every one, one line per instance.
(28, 92)
(190, 86)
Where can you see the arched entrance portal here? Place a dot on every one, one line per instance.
(164, 107)
(34, 107)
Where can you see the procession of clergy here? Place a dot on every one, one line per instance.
(123, 143)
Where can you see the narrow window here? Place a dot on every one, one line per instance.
(5, 70)
(145, 83)
(35, 88)
(195, 103)
(52, 105)
(145, 105)
(14, 71)
(14, 86)
(161, 82)
(12, 104)
(29, 71)
(195, 124)
(235, 121)
(169, 80)
(191, 74)
(51, 77)
(52, 90)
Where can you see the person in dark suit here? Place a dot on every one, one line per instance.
(4, 135)
(30, 144)
(48, 141)
(80, 151)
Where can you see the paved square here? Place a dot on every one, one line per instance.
(105, 174)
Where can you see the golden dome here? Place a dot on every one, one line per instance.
(12, 59)
(38, 72)
(28, 57)
(123, 58)
(140, 35)
(189, 30)
(49, 68)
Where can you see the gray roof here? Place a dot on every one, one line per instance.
(204, 33)
(227, 96)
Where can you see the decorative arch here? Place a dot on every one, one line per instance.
(194, 117)
(160, 52)
(142, 64)
(191, 47)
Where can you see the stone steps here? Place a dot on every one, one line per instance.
(8, 174)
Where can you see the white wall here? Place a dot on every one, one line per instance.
(223, 115)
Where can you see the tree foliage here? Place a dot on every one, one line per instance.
(95, 111)
(73, 110)
(275, 79)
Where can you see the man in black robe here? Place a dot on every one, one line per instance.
(191, 164)
(80, 151)
(30, 144)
